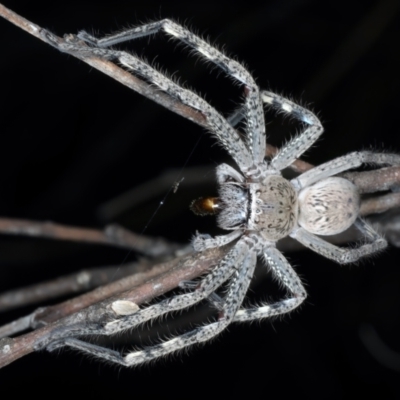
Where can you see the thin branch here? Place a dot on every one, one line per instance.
(110, 69)
(75, 283)
(376, 180)
(389, 224)
(139, 273)
(178, 270)
(112, 235)
(378, 205)
(131, 81)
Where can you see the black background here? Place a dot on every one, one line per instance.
(72, 139)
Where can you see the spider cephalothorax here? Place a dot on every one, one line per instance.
(257, 205)
(268, 206)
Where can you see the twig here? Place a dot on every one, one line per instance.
(112, 235)
(139, 273)
(376, 180)
(84, 280)
(380, 204)
(127, 79)
(178, 270)
(112, 70)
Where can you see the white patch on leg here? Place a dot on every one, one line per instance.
(124, 307)
(267, 99)
(287, 107)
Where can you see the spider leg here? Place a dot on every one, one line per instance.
(227, 136)
(204, 241)
(225, 172)
(288, 276)
(237, 289)
(340, 164)
(300, 143)
(214, 299)
(220, 274)
(252, 108)
(339, 254)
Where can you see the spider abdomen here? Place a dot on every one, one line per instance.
(329, 206)
(273, 207)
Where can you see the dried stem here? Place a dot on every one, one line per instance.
(376, 180)
(78, 282)
(112, 235)
(90, 307)
(129, 80)
(380, 204)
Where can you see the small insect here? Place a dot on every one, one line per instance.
(256, 205)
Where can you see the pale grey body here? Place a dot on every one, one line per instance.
(259, 206)
(274, 208)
